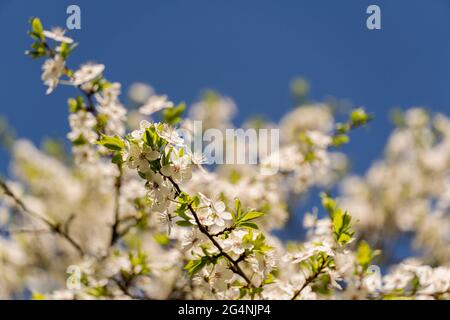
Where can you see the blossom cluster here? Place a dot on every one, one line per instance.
(134, 214)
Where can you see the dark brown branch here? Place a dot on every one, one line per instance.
(310, 279)
(235, 264)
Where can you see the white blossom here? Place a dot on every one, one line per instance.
(86, 73)
(57, 34)
(154, 104)
(52, 69)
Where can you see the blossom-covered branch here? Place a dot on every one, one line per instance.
(150, 219)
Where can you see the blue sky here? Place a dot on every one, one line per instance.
(249, 50)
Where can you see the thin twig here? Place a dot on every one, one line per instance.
(309, 280)
(235, 264)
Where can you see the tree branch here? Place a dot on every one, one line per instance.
(309, 280)
(235, 264)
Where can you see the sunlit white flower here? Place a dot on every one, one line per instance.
(109, 94)
(143, 126)
(57, 34)
(179, 169)
(139, 157)
(86, 73)
(216, 210)
(198, 159)
(234, 242)
(192, 238)
(52, 71)
(204, 217)
(221, 276)
(159, 190)
(171, 135)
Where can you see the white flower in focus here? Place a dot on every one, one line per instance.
(109, 95)
(57, 34)
(171, 135)
(204, 217)
(198, 159)
(86, 73)
(192, 238)
(139, 157)
(216, 210)
(159, 191)
(179, 169)
(138, 134)
(220, 277)
(52, 71)
(234, 242)
(154, 104)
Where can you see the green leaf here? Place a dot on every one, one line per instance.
(237, 214)
(38, 296)
(36, 27)
(242, 293)
(344, 238)
(184, 223)
(340, 139)
(173, 115)
(365, 254)
(338, 220)
(72, 105)
(249, 225)
(112, 143)
(161, 238)
(270, 279)
(359, 117)
(117, 158)
(252, 215)
(194, 266)
(66, 49)
(328, 203)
